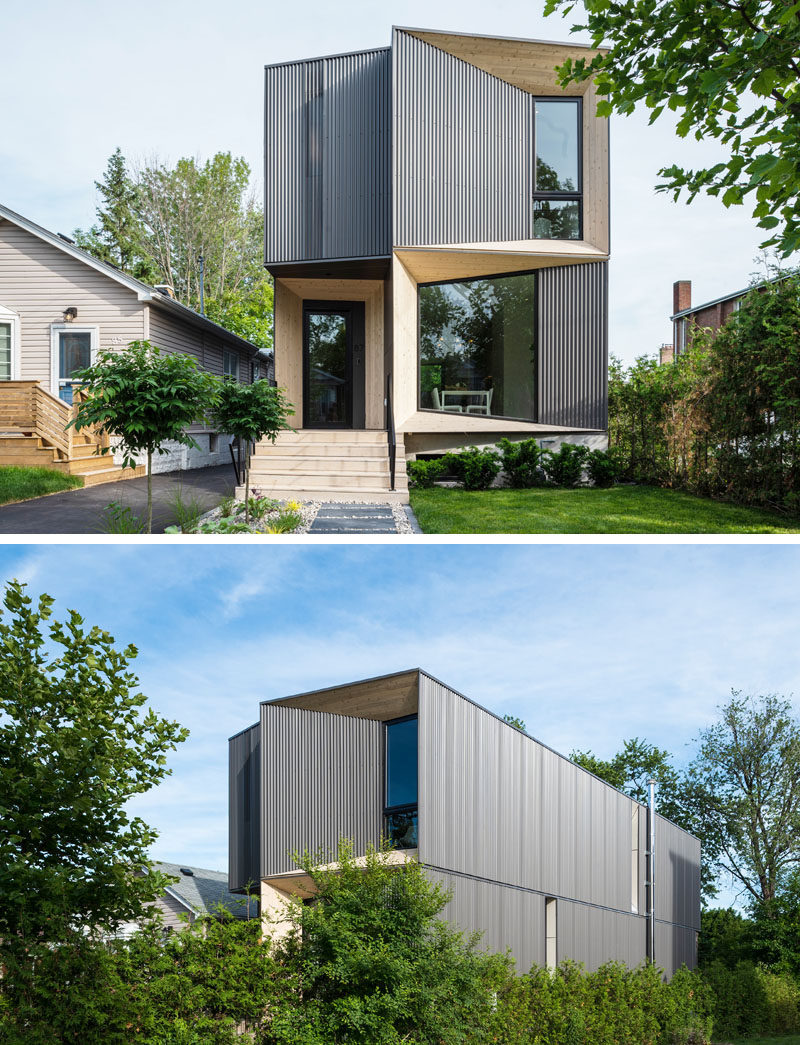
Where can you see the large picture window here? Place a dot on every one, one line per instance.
(401, 782)
(557, 200)
(478, 347)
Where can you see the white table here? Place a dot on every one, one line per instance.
(451, 395)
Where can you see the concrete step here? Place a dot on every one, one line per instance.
(278, 464)
(324, 481)
(332, 435)
(376, 496)
(314, 448)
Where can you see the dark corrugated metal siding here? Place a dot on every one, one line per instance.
(495, 804)
(322, 780)
(244, 811)
(463, 150)
(572, 332)
(327, 144)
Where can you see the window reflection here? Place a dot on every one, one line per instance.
(401, 782)
(477, 347)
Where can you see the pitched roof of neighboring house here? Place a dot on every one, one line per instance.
(143, 292)
(726, 297)
(201, 891)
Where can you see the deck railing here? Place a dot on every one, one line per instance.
(26, 408)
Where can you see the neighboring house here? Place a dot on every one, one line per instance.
(59, 306)
(686, 317)
(541, 856)
(437, 225)
(196, 893)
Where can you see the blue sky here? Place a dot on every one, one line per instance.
(590, 645)
(186, 78)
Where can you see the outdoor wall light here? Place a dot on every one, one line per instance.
(70, 313)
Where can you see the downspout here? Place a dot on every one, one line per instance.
(202, 263)
(651, 884)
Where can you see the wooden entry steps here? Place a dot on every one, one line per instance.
(313, 464)
(34, 434)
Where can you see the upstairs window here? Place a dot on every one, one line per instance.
(401, 782)
(230, 364)
(557, 197)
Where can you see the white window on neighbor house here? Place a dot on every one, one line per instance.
(72, 348)
(9, 345)
(550, 934)
(230, 364)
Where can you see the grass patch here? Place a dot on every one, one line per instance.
(620, 509)
(20, 484)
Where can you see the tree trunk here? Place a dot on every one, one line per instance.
(149, 491)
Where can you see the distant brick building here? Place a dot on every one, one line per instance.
(712, 314)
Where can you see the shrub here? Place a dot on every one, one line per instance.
(783, 1002)
(474, 469)
(522, 463)
(285, 522)
(423, 474)
(741, 1007)
(564, 467)
(603, 467)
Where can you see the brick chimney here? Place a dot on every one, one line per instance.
(681, 295)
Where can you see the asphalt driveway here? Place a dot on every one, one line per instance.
(82, 511)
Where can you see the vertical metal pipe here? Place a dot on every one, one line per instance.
(201, 261)
(651, 888)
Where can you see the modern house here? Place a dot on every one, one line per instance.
(541, 856)
(58, 307)
(437, 225)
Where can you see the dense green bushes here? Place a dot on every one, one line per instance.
(524, 464)
(724, 418)
(748, 1000)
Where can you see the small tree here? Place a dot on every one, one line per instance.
(74, 748)
(369, 961)
(144, 399)
(251, 412)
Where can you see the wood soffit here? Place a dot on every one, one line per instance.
(392, 696)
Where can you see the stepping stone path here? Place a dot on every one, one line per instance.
(355, 518)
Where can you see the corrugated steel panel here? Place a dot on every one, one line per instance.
(572, 339)
(463, 150)
(321, 780)
(497, 804)
(244, 811)
(594, 936)
(327, 171)
(677, 875)
(507, 918)
(675, 946)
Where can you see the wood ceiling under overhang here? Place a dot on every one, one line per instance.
(461, 261)
(526, 64)
(384, 698)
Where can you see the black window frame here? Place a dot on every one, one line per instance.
(404, 807)
(474, 279)
(567, 196)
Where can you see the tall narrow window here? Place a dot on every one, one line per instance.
(550, 933)
(5, 351)
(635, 858)
(230, 364)
(557, 199)
(401, 782)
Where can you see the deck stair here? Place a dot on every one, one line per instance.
(323, 465)
(33, 434)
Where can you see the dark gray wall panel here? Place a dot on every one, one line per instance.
(244, 813)
(499, 805)
(327, 144)
(594, 936)
(508, 918)
(572, 333)
(463, 150)
(675, 946)
(677, 875)
(322, 779)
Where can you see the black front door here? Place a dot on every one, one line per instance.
(333, 364)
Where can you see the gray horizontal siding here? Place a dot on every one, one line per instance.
(506, 918)
(677, 875)
(327, 158)
(463, 150)
(572, 335)
(321, 780)
(497, 804)
(244, 811)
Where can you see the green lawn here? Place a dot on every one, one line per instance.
(621, 509)
(18, 484)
